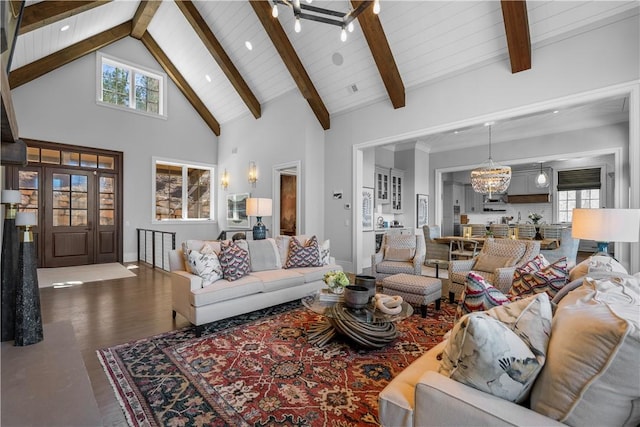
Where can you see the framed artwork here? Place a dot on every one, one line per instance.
(422, 210)
(367, 208)
(237, 210)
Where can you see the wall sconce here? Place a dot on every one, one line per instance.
(253, 173)
(10, 250)
(28, 325)
(224, 180)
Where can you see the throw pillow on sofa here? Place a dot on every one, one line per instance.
(595, 265)
(591, 376)
(300, 255)
(234, 261)
(264, 255)
(479, 295)
(534, 280)
(500, 351)
(325, 252)
(206, 265)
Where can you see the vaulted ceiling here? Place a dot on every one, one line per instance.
(410, 43)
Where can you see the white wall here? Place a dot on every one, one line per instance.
(61, 107)
(287, 131)
(606, 56)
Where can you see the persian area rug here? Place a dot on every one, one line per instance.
(68, 276)
(259, 370)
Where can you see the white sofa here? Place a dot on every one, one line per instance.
(591, 375)
(259, 289)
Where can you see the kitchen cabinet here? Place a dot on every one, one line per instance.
(397, 184)
(524, 183)
(382, 180)
(473, 202)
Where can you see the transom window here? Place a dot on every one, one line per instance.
(131, 87)
(183, 191)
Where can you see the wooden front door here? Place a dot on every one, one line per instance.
(76, 193)
(70, 217)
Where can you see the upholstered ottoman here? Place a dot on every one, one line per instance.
(414, 289)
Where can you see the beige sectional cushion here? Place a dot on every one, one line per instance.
(311, 274)
(397, 400)
(223, 290)
(278, 279)
(592, 375)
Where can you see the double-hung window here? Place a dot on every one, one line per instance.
(577, 188)
(131, 87)
(182, 191)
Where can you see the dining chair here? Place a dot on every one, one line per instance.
(526, 231)
(478, 230)
(500, 231)
(461, 248)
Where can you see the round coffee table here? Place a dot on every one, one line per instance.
(367, 326)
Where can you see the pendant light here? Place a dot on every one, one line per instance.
(542, 180)
(491, 177)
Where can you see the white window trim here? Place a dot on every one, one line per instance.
(183, 164)
(603, 184)
(162, 108)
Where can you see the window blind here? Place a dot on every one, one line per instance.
(579, 179)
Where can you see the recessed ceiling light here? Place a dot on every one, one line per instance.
(248, 45)
(456, 132)
(490, 123)
(208, 77)
(64, 28)
(556, 111)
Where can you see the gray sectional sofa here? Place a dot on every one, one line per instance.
(259, 289)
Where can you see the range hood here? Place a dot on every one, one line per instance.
(529, 198)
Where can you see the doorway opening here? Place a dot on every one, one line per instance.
(287, 218)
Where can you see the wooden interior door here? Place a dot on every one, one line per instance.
(70, 217)
(107, 231)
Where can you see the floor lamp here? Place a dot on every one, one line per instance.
(10, 248)
(606, 225)
(28, 314)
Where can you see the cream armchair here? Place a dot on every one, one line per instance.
(399, 253)
(496, 262)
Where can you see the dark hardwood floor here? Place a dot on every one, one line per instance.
(112, 312)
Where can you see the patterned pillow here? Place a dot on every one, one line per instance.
(325, 252)
(234, 261)
(550, 279)
(537, 263)
(205, 265)
(479, 295)
(306, 255)
(502, 350)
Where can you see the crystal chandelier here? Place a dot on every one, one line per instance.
(491, 177)
(326, 16)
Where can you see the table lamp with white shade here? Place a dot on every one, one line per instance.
(28, 325)
(10, 249)
(606, 225)
(259, 207)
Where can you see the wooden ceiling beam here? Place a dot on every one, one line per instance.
(218, 53)
(516, 27)
(9, 121)
(143, 16)
(180, 82)
(49, 63)
(382, 55)
(47, 12)
(291, 60)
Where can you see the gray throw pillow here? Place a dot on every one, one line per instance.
(264, 255)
